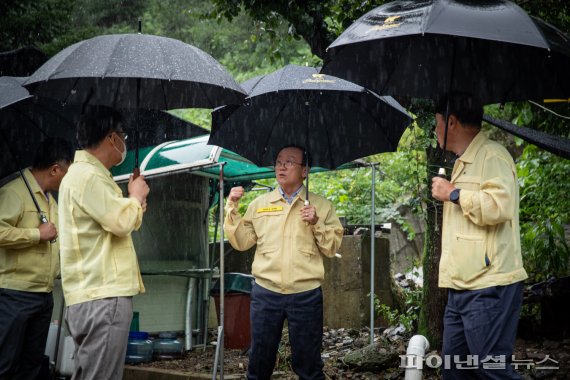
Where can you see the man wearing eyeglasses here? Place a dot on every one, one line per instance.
(291, 240)
(99, 267)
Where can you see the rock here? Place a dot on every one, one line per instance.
(374, 357)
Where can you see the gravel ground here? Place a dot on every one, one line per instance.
(338, 343)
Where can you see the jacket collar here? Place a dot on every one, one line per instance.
(275, 195)
(469, 155)
(34, 185)
(84, 156)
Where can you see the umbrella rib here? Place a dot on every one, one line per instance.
(376, 121)
(210, 103)
(330, 148)
(114, 103)
(265, 144)
(164, 95)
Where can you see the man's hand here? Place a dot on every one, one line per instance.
(48, 232)
(441, 188)
(236, 193)
(309, 214)
(139, 189)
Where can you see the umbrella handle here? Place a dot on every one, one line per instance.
(441, 173)
(44, 220)
(136, 172)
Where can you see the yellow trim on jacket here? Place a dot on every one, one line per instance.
(481, 236)
(289, 254)
(25, 263)
(98, 259)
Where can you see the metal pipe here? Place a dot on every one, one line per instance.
(222, 263)
(188, 319)
(372, 249)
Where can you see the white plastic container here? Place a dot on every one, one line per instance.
(65, 364)
(51, 341)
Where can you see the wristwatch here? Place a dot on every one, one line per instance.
(454, 196)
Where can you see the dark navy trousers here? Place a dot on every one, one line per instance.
(24, 326)
(480, 324)
(304, 314)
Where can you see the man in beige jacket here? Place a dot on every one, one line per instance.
(481, 260)
(99, 266)
(29, 260)
(292, 238)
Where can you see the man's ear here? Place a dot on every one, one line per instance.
(53, 169)
(451, 121)
(305, 169)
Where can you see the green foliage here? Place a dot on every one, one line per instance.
(546, 252)
(198, 116)
(399, 181)
(545, 207)
(31, 22)
(408, 317)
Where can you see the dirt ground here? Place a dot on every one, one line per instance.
(541, 359)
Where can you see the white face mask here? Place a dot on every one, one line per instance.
(123, 153)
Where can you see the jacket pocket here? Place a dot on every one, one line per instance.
(308, 264)
(264, 262)
(468, 257)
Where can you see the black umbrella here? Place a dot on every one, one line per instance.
(25, 121)
(335, 120)
(19, 137)
(24, 124)
(135, 71)
(427, 49)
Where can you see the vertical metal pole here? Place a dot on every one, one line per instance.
(372, 249)
(222, 266)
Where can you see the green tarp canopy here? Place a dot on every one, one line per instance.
(197, 156)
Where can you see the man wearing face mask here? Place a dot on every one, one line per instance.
(99, 267)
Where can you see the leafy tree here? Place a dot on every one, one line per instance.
(31, 22)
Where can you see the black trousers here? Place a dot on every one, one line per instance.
(479, 326)
(24, 326)
(304, 314)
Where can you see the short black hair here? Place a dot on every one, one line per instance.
(466, 108)
(308, 155)
(52, 151)
(95, 123)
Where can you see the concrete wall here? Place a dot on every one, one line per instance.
(347, 282)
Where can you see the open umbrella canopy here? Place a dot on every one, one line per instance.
(427, 49)
(11, 91)
(335, 120)
(24, 124)
(26, 120)
(135, 71)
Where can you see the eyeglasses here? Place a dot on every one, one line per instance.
(286, 164)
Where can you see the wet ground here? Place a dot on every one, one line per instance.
(538, 359)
